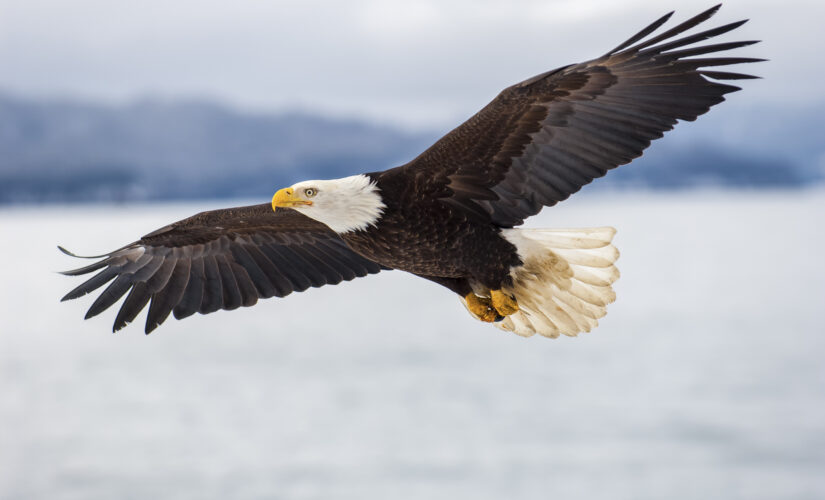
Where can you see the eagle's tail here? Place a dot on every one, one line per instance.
(564, 284)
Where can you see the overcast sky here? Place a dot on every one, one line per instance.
(418, 64)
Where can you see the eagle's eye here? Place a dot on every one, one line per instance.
(309, 192)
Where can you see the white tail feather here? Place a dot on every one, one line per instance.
(564, 283)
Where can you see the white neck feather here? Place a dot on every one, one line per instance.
(347, 204)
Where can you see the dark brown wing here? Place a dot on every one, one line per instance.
(221, 259)
(541, 140)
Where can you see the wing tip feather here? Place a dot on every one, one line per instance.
(647, 30)
(72, 254)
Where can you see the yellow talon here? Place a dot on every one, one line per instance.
(481, 307)
(503, 303)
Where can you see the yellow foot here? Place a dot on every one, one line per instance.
(503, 303)
(482, 308)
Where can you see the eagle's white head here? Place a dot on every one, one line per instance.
(347, 204)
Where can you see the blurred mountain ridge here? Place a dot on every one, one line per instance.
(63, 150)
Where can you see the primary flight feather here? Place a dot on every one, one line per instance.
(449, 215)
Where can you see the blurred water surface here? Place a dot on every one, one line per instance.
(705, 380)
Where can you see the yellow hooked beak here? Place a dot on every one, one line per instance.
(286, 198)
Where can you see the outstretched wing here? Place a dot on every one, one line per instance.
(221, 259)
(541, 140)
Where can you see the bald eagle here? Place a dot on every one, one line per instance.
(451, 214)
